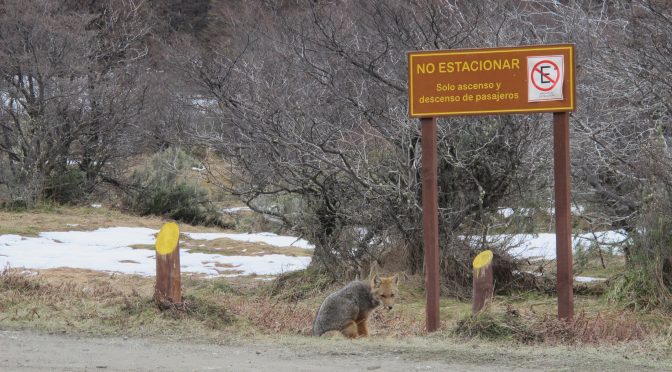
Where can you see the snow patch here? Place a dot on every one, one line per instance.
(588, 279)
(236, 209)
(543, 245)
(108, 249)
(508, 212)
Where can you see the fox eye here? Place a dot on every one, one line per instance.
(392, 295)
(383, 296)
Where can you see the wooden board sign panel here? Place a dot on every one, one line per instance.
(535, 78)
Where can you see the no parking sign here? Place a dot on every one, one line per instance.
(490, 81)
(545, 77)
(505, 80)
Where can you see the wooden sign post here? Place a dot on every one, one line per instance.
(168, 288)
(525, 79)
(430, 221)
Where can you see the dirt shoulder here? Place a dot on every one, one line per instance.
(31, 351)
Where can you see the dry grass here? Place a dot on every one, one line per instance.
(269, 316)
(230, 247)
(82, 300)
(599, 328)
(92, 302)
(78, 219)
(596, 329)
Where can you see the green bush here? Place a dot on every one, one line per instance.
(162, 189)
(487, 325)
(646, 284)
(67, 186)
(636, 289)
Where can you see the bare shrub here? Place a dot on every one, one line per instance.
(548, 329)
(211, 313)
(584, 329)
(489, 325)
(73, 89)
(301, 284)
(13, 280)
(273, 316)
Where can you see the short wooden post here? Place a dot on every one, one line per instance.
(168, 288)
(482, 282)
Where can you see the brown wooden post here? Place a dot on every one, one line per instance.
(168, 288)
(563, 216)
(482, 281)
(430, 220)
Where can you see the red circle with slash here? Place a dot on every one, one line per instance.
(545, 75)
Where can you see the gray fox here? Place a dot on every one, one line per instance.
(348, 309)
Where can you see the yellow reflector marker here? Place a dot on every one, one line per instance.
(168, 237)
(483, 259)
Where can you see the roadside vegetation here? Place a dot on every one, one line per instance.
(85, 302)
(297, 112)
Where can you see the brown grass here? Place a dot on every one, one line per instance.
(78, 219)
(89, 301)
(534, 328)
(230, 247)
(273, 317)
(584, 329)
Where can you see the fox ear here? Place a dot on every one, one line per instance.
(375, 280)
(395, 279)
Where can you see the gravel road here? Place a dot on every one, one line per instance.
(30, 351)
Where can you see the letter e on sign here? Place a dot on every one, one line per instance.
(545, 78)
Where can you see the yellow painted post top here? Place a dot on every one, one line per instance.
(483, 259)
(168, 237)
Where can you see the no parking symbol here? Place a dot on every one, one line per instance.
(545, 75)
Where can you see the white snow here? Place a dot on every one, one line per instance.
(236, 209)
(578, 279)
(508, 212)
(108, 249)
(588, 279)
(107, 237)
(543, 245)
(268, 238)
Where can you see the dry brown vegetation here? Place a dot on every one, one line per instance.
(84, 301)
(232, 247)
(56, 218)
(601, 328)
(79, 301)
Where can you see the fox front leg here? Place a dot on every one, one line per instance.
(363, 328)
(350, 330)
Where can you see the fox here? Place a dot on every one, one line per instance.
(348, 309)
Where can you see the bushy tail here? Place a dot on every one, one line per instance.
(317, 331)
